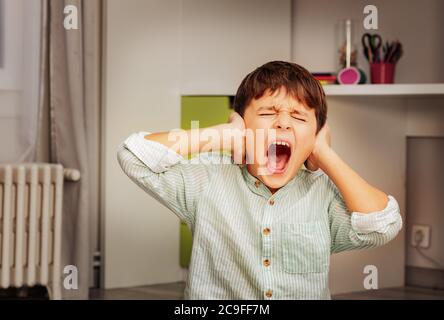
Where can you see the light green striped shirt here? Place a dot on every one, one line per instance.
(247, 242)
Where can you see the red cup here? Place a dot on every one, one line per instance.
(382, 72)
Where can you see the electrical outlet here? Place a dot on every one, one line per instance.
(420, 236)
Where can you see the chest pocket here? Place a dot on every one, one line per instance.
(305, 247)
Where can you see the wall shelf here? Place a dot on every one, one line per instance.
(422, 89)
(409, 90)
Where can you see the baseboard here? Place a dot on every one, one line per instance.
(423, 277)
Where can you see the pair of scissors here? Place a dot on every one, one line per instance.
(371, 43)
(393, 52)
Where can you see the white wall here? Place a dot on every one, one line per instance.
(369, 134)
(9, 124)
(426, 120)
(425, 117)
(19, 79)
(222, 41)
(10, 79)
(424, 202)
(12, 46)
(141, 244)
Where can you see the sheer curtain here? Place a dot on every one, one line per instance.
(70, 77)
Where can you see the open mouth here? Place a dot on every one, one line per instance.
(278, 156)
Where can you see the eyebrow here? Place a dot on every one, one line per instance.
(302, 113)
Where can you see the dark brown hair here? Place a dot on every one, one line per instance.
(295, 79)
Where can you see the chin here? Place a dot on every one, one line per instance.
(278, 180)
(274, 183)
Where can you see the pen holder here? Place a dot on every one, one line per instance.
(382, 72)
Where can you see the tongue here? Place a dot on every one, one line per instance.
(276, 163)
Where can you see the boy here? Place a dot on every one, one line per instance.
(263, 226)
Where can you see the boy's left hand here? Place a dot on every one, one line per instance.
(322, 143)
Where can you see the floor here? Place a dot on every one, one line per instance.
(175, 291)
(402, 293)
(153, 292)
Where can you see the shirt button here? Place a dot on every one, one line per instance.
(271, 202)
(268, 293)
(266, 262)
(257, 183)
(266, 231)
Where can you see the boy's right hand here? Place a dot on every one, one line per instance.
(237, 127)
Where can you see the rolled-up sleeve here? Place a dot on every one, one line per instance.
(355, 230)
(164, 174)
(154, 155)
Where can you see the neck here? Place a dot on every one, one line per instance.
(250, 170)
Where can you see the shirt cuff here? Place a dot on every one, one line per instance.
(153, 154)
(378, 221)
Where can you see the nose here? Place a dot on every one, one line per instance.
(282, 122)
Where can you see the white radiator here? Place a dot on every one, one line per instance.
(30, 225)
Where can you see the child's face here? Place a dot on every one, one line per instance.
(281, 118)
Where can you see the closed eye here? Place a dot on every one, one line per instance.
(266, 114)
(294, 117)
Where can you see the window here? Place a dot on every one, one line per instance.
(11, 43)
(2, 30)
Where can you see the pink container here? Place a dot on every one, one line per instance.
(382, 72)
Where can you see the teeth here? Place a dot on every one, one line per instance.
(281, 143)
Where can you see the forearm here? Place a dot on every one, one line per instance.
(187, 142)
(359, 196)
